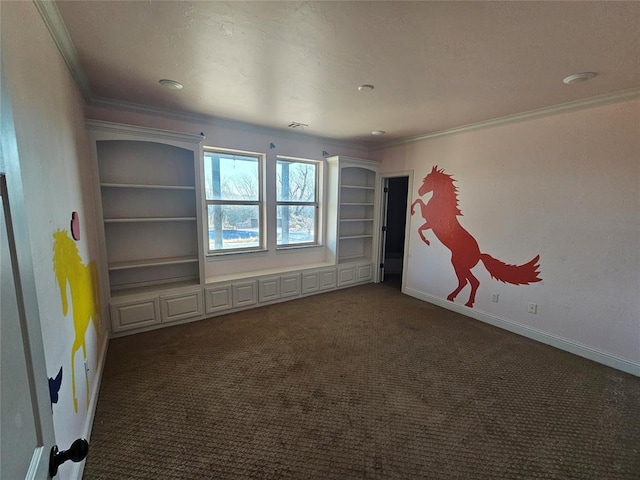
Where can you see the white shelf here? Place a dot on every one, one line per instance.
(358, 187)
(151, 262)
(352, 237)
(353, 259)
(154, 287)
(351, 231)
(148, 199)
(145, 186)
(149, 219)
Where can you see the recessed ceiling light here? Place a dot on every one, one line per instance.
(171, 84)
(579, 77)
(365, 88)
(378, 132)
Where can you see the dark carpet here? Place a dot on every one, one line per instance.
(361, 383)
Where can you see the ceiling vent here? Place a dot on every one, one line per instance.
(299, 125)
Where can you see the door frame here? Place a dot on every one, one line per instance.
(382, 201)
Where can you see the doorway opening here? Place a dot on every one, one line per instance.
(394, 203)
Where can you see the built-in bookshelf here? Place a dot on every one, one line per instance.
(352, 212)
(149, 203)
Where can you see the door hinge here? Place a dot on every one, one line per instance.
(384, 228)
(382, 265)
(386, 189)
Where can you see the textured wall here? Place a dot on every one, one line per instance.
(224, 134)
(565, 187)
(53, 150)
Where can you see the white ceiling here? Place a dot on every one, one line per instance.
(434, 65)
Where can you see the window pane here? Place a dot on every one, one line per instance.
(296, 224)
(231, 177)
(234, 226)
(296, 181)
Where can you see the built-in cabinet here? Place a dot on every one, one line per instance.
(355, 273)
(148, 199)
(152, 255)
(317, 280)
(352, 214)
(149, 204)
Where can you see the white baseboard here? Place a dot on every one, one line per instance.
(529, 332)
(534, 334)
(78, 468)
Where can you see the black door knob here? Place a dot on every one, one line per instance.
(77, 452)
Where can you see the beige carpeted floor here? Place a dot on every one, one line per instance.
(362, 383)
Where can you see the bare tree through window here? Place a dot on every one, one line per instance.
(234, 200)
(297, 201)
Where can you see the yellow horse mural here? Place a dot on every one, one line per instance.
(85, 296)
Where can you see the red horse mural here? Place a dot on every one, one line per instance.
(440, 215)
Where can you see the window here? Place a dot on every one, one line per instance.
(297, 202)
(233, 190)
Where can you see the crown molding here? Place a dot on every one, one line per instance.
(102, 102)
(58, 30)
(590, 102)
(138, 131)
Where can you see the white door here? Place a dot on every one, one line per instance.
(26, 419)
(26, 431)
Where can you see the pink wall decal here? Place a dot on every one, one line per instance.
(440, 214)
(75, 226)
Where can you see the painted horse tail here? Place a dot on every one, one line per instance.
(514, 274)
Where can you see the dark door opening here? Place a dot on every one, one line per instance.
(393, 230)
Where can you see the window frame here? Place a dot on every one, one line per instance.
(316, 204)
(260, 202)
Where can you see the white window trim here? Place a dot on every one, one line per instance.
(317, 203)
(262, 247)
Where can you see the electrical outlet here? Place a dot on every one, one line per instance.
(533, 308)
(494, 297)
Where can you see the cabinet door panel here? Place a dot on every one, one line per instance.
(290, 285)
(132, 315)
(327, 279)
(346, 275)
(180, 306)
(310, 282)
(218, 298)
(269, 289)
(364, 273)
(245, 294)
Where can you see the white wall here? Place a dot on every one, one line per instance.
(225, 134)
(54, 153)
(566, 187)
